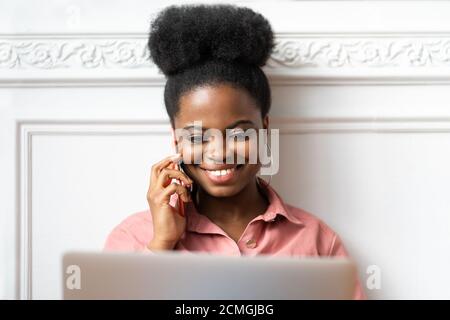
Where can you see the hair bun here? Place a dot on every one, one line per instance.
(182, 36)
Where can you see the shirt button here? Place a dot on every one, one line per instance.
(250, 244)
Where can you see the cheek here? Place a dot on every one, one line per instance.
(251, 170)
(192, 153)
(247, 150)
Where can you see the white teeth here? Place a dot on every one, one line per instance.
(221, 172)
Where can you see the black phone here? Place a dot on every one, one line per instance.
(182, 167)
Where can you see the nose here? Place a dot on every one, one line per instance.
(217, 151)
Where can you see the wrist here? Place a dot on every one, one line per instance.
(157, 244)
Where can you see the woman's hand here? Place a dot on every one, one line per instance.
(168, 224)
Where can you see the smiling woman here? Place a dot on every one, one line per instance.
(212, 57)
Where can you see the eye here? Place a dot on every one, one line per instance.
(195, 138)
(238, 135)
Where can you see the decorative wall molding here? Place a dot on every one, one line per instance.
(381, 125)
(359, 52)
(110, 59)
(289, 53)
(79, 53)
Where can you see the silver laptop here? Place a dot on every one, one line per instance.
(174, 275)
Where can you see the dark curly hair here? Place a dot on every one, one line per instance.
(201, 45)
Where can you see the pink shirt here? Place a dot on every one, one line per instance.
(283, 230)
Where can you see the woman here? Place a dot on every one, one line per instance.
(211, 56)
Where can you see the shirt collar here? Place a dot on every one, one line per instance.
(276, 205)
(200, 223)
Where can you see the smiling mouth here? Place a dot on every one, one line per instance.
(222, 175)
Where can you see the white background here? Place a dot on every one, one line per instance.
(360, 93)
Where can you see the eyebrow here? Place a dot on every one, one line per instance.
(233, 125)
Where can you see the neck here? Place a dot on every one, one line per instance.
(244, 206)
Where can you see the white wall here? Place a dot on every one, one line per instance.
(360, 95)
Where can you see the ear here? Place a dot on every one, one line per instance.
(266, 122)
(174, 140)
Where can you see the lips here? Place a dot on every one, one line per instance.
(222, 174)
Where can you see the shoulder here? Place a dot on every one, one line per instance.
(310, 220)
(132, 233)
(326, 241)
(325, 238)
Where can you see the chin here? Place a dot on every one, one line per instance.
(222, 192)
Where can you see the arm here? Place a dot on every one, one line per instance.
(135, 234)
(121, 239)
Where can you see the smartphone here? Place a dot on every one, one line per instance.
(180, 166)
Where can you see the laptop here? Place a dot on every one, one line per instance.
(172, 275)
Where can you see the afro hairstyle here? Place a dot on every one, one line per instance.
(201, 45)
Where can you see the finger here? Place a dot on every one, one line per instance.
(175, 188)
(164, 178)
(157, 167)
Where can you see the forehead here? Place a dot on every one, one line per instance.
(216, 106)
